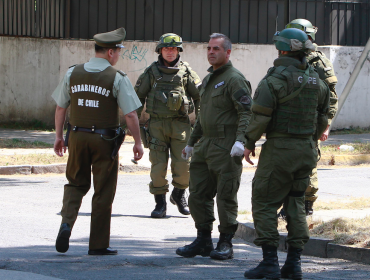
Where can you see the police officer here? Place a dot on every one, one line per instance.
(216, 146)
(289, 105)
(325, 69)
(95, 91)
(169, 87)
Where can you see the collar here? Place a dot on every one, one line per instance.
(168, 70)
(220, 70)
(97, 64)
(289, 61)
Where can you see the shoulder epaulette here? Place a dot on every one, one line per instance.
(72, 66)
(121, 72)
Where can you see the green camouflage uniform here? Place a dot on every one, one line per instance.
(223, 119)
(289, 154)
(170, 94)
(325, 69)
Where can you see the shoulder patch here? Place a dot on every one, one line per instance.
(122, 73)
(138, 83)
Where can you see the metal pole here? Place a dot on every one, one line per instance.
(352, 79)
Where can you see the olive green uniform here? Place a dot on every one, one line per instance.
(223, 119)
(289, 154)
(170, 94)
(325, 69)
(88, 152)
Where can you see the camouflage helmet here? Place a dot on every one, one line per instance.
(304, 25)
(169, 40)
(292, 40)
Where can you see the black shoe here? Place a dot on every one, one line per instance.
(308, 205)
(161, 206)
(281, 214)
(224, 249)
(268, 268)
(292, 267)
(62, 243)
(105, 251)
(202, 246)
(178, 198)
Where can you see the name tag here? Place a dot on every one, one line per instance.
(220, 84)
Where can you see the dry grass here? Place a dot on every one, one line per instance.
(245, 216)
(360, 148)
(352, 203)
(32, 159)
(351, 130)
(345, 231)
(19, 143)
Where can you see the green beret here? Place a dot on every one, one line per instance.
(112, 39)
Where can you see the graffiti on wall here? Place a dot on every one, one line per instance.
(137, 56)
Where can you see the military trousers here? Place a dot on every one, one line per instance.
(214, 173)
(282, 176)
(313, 186)
(88, 153)
(169, 138)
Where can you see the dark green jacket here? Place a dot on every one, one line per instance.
(225, 101)
(325, 69)
(190, 82)
(266, 97)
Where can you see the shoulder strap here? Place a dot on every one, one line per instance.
(155, 70)
(121, 72)
(295, 93)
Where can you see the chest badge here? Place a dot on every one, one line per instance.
(220, 84)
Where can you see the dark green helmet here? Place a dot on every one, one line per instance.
(169, 40)
(304, 25)
(292, 40)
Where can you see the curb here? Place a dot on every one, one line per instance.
(316, 247)
(56, 168)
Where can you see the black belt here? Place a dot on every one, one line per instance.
(103, 131)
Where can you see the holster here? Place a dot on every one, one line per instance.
(144, 133)
(119, 138)
(67, 134)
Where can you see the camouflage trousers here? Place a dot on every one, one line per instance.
(282, 177)
(214, 173)
(313, 186)
(169, 138)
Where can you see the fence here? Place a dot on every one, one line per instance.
(244, 21)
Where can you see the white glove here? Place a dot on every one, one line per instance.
(237, 149)
(188, 151)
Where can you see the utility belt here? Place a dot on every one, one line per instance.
(117, 135)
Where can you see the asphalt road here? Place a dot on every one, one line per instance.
(29, 212)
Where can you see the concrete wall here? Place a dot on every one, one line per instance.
(31, 69)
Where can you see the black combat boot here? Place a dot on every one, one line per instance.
(202, 246)
(178, 198)
(62, 242)
(308, 207)
(268, 268)
(224, 249)
(292, 267)
(161, 207)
